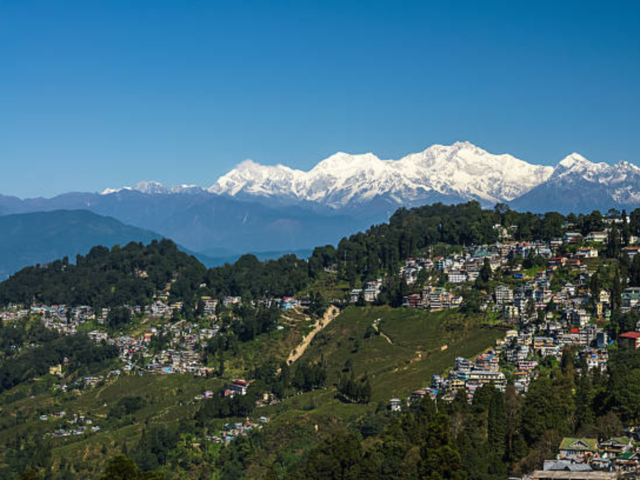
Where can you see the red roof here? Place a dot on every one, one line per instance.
(635, 335)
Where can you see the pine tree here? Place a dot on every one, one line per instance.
(614, 247)
(366, 392)
(616, 291)
(497, 424)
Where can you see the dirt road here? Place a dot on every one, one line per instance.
(331, 313)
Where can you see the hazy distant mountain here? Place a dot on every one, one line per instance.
(32, 238)
(578, 185)
(204, 221)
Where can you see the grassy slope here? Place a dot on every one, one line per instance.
(396, 369)
(411, 353)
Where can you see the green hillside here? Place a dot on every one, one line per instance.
(402, 358)
(139, 358)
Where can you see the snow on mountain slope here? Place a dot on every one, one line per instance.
(152, 187)
(461, 170)
(619, 178)
(452, 173)
(255, 179)
(578, 184)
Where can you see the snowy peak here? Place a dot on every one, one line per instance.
(573, 160)
(341, 163)
(447, 173)
(152, 187)
(460, 171)
(575, 167)
(255, 179)
(472, 172)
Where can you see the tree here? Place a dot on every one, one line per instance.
(616, 291)
(497, 423)
(614, 244)
(626, 229)
(484, 276)
(338, 457)
(318, 305)
(118, 317)
(634, 272)
(29, 474)
(121, 467)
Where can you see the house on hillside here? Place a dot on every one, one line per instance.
(616, 445)
(572, 475)
(504, 295)
(239, 387)
(456, 276)
(630, 298)
(578, 448)
(572, 237)
(395, 405)
(596, 237)
(629, 340)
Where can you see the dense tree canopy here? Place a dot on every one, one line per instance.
(134, 273)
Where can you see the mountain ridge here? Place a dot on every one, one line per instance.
(462, 171)
(258, 208)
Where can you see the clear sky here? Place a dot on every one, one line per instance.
(97, 94)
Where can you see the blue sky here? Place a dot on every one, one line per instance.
(102, 94)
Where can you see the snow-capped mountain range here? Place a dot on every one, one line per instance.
(258, 208)
(454, 173)
(460, 171)
(152, 187)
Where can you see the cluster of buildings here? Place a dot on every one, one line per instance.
(76, 425)
(369, 293)
(182, 341)
(433, 298)
(467, 375)
(180, 351)
(548, 314)
(234, 430)
(589, 458)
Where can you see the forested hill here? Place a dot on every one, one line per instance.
(129, 275)
(383, 246)
(114, 277)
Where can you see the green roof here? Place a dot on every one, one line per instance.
(621, 440)
(579, 444)
(625, 456)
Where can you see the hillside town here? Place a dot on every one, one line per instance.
(551, 300)
(550, 309)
